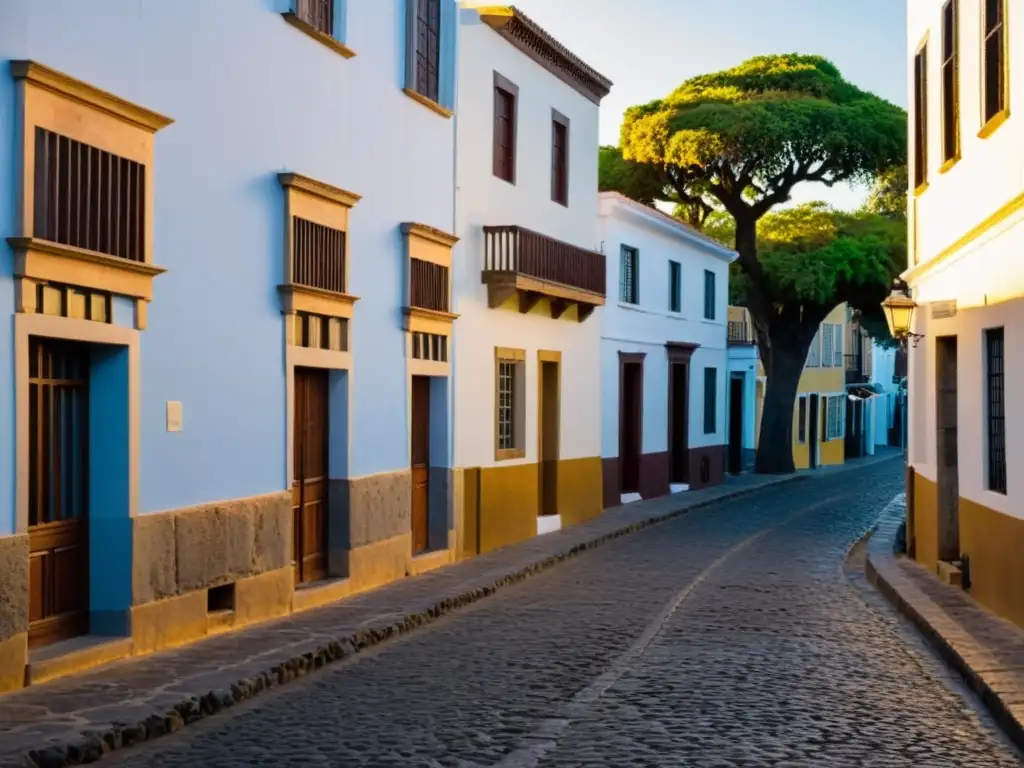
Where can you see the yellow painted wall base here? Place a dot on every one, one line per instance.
(379, 563)
(579, 490)
(833, 453)
(994, 543)
(13, 658)
(926, 522)
(508, 505)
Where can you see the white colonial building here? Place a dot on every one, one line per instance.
(966, 275)
(528, 277)
(664, 373)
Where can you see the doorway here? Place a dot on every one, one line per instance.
(309, 481)
(420, 459)
(548, 434)
(678, 423)
(947, 461)
(736, 424)
(813, 430)
(58, 524)
(631, 393)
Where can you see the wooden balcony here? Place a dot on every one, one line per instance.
(518, 261)
(740, 327)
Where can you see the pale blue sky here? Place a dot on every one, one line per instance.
(648, 47)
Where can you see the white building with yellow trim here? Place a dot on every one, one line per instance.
(966, 274)
(527, 282)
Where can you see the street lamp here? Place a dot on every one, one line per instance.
(899, 311)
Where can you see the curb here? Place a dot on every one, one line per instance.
(999, 709)
(95, 744)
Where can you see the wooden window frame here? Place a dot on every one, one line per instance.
(56, 102)
(517, 358)
(675, 287)
(710, 280)
(328, 206)
(335, 40)
(502, 83)
(950, 84)
(920, 117)
(710, 372)
(560, 195)
(425, 243)
(632, 297)
(990, 123)
(996, 480)
(443, 103)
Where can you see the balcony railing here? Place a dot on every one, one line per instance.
(516, 251)
(740, 332)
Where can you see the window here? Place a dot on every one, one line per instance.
(509, 403)
(559, 157)
(921, 117)
(835, 415)
(319, 14)
(801, 419)
(675, 286)
(814, 352)
(827, 345)
(322, 20)
(993, 54)
(629, 292)
(996, 407)
(837, 345)
(709, 295)
(505, 95)
(428, 48)
(950, 81)
(710, 400)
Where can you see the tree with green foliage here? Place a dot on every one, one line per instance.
(740, 141)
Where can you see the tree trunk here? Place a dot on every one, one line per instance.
(775, 444)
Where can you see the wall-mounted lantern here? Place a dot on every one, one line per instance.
(899, 312)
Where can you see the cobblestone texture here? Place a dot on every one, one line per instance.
(727, 637)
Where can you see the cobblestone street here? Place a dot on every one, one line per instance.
(726, 637)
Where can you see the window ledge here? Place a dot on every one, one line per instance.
(296, 297)
(946, 166)
(920, 189)
(419, 320)
(333, 43)
(993, 124)
(45, 260)
(505, 454)
(428, 102)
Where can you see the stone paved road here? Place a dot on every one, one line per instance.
(727, 637)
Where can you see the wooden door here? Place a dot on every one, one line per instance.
(813, 431)
(678, 423)
(58, 524)
(550, 415)
(630, 427)
(735, 425)
(310, 474)
(420, 453)
(947, 458)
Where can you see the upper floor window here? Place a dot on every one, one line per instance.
(993, 55)
(950, 81)
(921, 116)
(431, 27)
(323, 20)
(506, 94)
(675, 286)
(559, 157)
(629, 279)
(709, 295)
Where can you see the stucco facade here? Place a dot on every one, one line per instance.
(664, 374)
(198, 309)
(966, 274)
(527, 347)
(744, 364)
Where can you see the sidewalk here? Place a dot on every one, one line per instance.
(986, 650)
(77, 719)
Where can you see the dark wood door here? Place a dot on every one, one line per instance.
(678, 406)
(630, 427)
(550, 416)
(813, 431)
(310, 474)
(58, 524)
(735, 425)
(947, 455)
(420, 452)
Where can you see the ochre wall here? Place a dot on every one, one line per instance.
(508, 505)
(926, 522)
(994, 541)
(833, 452)
(579, 490)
